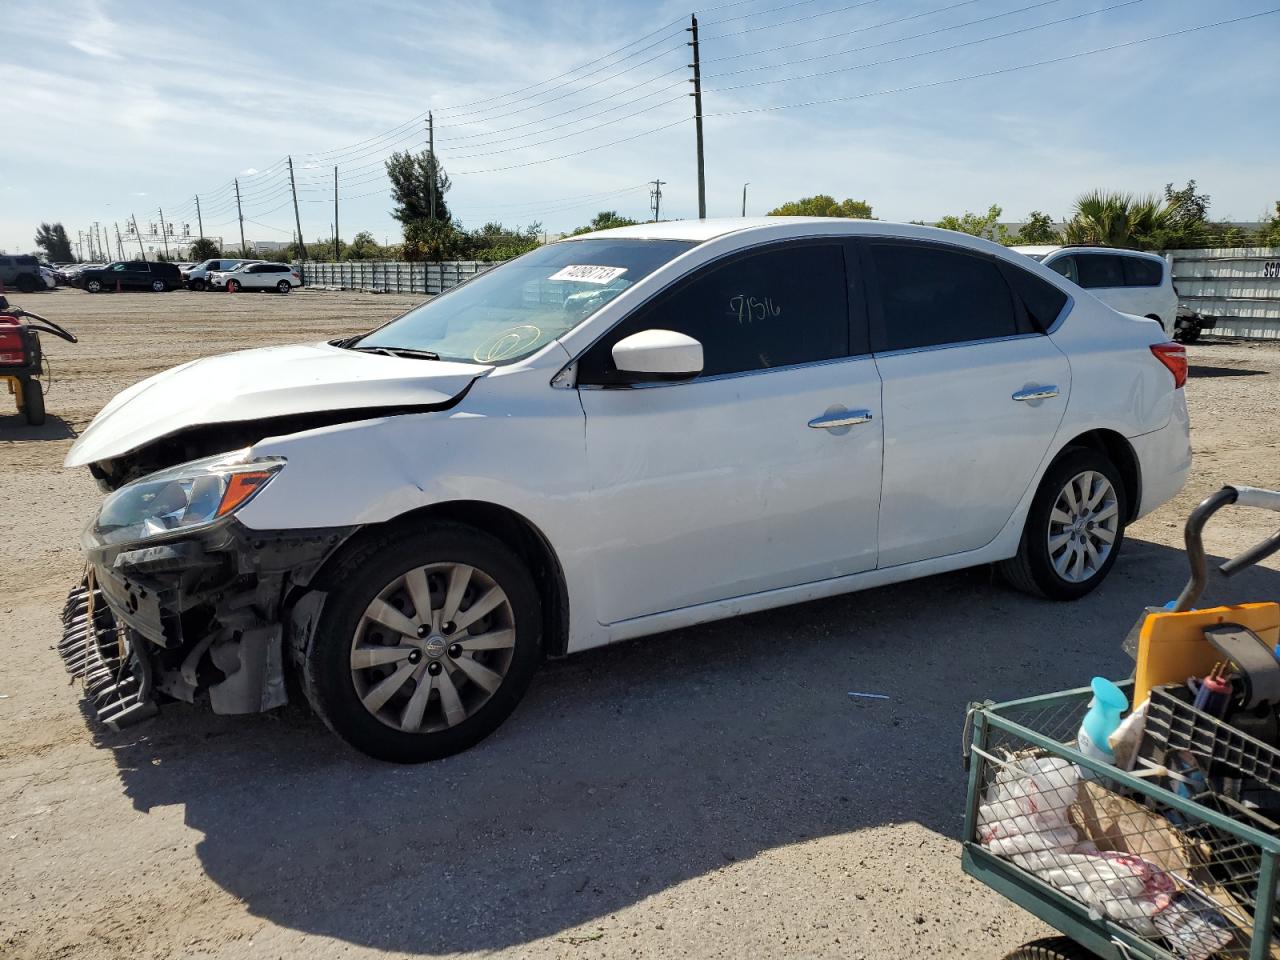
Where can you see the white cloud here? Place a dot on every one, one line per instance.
(94, 49)
(248, 173)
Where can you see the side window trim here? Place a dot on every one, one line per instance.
(722, 261)
(875, 303)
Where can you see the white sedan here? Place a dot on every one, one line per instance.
(613, 435)
(280, 277)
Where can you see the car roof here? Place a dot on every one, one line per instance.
(763, 228)
(1045, 251)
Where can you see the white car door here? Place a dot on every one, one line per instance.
(763, 471)
(973, 393)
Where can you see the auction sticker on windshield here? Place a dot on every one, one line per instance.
(585, 273)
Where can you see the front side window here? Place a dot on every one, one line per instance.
(1098, 270)
(778, 307)
(514, 309)
(1142, 272)
(930, 295)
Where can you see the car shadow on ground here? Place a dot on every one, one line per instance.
(1195, 370)
(631, 769)
(15, 427)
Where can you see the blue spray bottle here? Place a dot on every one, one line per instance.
(1108, 703)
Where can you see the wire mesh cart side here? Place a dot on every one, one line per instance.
(1113, 861)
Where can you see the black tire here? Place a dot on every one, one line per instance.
(93, 286)
(233, 286)
(33, 402)
(1032, 570)
(356, 579)
(26, 283)
(160, 286)
(1187, 335)
(196, 285)
(284, 286)
(1052, 948)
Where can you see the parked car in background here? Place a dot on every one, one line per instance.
(280, 277)
(197, 277)
(611, 436)
(131, 275)
(1129, 280)
(21, 273)
(49, 276)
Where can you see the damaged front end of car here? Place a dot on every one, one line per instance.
(181, 601)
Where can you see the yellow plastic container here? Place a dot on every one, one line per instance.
(1172, 646)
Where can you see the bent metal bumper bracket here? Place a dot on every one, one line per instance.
(100, 651)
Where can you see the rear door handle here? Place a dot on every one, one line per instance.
(848, 418)
(1037, 393)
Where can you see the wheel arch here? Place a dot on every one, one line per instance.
(515, 531)
(1119, 451)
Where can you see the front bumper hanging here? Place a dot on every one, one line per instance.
(99, 650)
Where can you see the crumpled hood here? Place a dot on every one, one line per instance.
(262, 383)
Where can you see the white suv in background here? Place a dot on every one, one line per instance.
(197, 277)
(1127, 280)
(257, 276)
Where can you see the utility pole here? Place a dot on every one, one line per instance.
(164, 232)
(655, 199)
(79, 244)
(119, 242)
(337, 250)
(697, 116)
(431, 157)
(302, 248)
(744, 197)
(244, 251)
(138, 233)
(97, 238)
(199, 219)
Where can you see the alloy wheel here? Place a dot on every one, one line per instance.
(432, 647)
(1083, 526)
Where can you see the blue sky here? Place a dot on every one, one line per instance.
(115, 108)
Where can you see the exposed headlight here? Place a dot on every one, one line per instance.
(185, 497)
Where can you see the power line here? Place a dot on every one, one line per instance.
(785, 23)
(932, 52)
(1065, 58)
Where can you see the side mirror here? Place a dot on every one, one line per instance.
(653, 356)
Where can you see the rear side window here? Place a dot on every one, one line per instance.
(1100, 270)
(1042, 300)
(1065, 266)
(930, 295)
(1142, 272)
(774, 308)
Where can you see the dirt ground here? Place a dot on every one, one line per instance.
(712, 792)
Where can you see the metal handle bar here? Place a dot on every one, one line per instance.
(52, 327)
(1242, 496)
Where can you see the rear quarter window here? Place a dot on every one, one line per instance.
(1042, 300)
(1142, 272)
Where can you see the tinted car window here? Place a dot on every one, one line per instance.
(774, 308)
(1142, 272)
(1099, 270)
(1042, 300)
(929, 295)
(1065, 266)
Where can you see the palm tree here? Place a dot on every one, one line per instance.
(1115, 219)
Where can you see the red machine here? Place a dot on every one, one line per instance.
(22, 364)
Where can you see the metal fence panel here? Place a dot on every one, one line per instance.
(1240, 286)
(391, 276)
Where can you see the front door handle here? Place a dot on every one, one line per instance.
(848, 418)
(1037, 393)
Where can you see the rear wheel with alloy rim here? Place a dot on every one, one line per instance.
(426, 643)
(284, 286)
(1074, 528)
(159, 286)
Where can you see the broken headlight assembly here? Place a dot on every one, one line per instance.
(186, 497)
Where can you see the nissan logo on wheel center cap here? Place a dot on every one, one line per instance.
(435, 647)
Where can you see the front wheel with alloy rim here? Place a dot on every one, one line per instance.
(93, 286)
(426, 643)
(233, 286)
(1074, 528)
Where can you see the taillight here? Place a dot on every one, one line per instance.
(1173, 356)
(12, 349)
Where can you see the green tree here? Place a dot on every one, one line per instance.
(1103, 219)
(203, 249)
(1184, 221)
(982, 225)
(52, 238)
(1038, 230)
(605, 220)
(364, 247)
(823, 205)
(411, 176)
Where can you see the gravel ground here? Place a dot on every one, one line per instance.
(712, 792)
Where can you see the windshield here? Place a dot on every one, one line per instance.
(516, 308)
